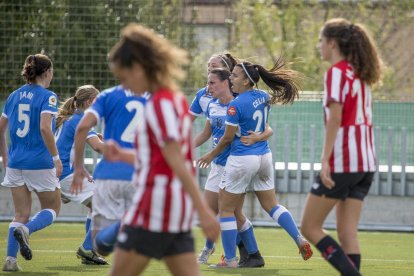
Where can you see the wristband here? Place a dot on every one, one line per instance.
(56, 157)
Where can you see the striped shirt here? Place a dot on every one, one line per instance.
(160, 202)
(354, 145)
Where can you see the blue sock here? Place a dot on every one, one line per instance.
(106, 238)
(247, 235)
(87, 224)
(228, 227)
(87, 243)
(238, 238)
(12, 244)
(209, 244)
(41, 220)
(280, 214)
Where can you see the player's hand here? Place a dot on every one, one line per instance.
(112, 151)
(205, 160)
(77, 182)
(250, 139)
(100, 136)
(325, 175)
(58, 167)
(209, 224)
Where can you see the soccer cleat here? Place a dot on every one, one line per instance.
(11, 265)
(224, 263)
(244, 255)
(205, 253)
(253, 260)
(21, 233)
(304, 248)
(90, 257)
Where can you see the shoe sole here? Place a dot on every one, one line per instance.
(25, 250)
(306, 248)
(88, 260)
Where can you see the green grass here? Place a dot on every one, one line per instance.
(383, 254)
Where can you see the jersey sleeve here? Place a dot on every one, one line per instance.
(233, 114)
(334, 85)
(195, 108)
(163, 121)
(92, 133)
(49, 104)
(98, 107)
(6, 109)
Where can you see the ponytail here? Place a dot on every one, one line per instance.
(67, 109)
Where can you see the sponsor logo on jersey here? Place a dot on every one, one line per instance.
(231, 111)
(52, 101)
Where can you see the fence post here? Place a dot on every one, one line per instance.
(390, 143)
(285, 184)
(311, 157)
(298, 185)
(377, 138)
(403, 160)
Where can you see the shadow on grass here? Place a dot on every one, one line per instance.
(252, 271)
(29, 273)
(78, 268)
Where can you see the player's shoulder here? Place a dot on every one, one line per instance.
(201, 92)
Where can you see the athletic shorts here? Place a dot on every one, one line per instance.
(35, 180)
(155, 244)
(347, 185)
(111, 199)
(84, 197)
(214, 178)
(248, 171)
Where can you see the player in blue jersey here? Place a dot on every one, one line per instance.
(121, 111)
(252, 164)
(203, 96)
(32, 162)
(68, 118)
(219, 86)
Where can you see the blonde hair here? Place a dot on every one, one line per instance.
(161, 60)
(69, 106)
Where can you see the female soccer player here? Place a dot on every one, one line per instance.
(121, 112)
(32, 163)
(219, 86)
(68, 118)
(158, 224)
(252, 164)
(203, 96)
(348, 157)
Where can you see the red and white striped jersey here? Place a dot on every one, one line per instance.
(160, 202)
(354, 149)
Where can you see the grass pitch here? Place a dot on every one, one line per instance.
(54, 253)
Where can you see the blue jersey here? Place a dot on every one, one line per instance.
(121, 112)
(216, 114)
(199, 105)
(249, 111)
(65, 136)
(23, 109)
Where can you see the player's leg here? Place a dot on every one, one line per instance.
(183, 264)
(128, 263)
(209, 247)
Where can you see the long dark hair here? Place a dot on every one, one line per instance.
(358, 47)
(222, 74)
(227, 60)
(282, 81)
(34, 66)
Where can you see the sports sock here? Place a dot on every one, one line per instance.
(106, 238)
(283, 217)
(87, 243)
(209, 244)
(88, 222)
(41, 220)
(356, 259)
(333, 253)
(228, 227)
(247, 235)
(12, 244)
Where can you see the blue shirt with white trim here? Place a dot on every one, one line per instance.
(23, 108)
(121, 111)
(216, 114)
(249, 111)
(65, 137)
(199, 105)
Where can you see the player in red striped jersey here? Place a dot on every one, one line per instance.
(159, 222)
(348, 157)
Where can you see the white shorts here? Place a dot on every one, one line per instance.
(111, 199)
(84, 197)
(248, 171)
(214, 178)
(35, 180)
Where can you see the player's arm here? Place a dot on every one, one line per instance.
(113, 152)
(49, 140)
(3, 146)
(174, 158)
(255, 137)
(225, 140)
(204, 135)
(332, 126)
(96, 144)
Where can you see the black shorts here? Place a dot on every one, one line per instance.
(347, 185)
(153, 244)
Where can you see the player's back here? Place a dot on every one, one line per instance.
(23, 110)
(120, 112)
